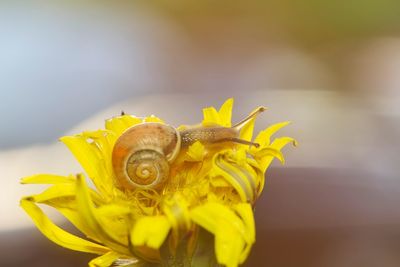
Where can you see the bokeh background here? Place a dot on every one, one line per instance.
(331, 67)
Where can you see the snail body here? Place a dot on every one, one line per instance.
(143, 153)
(206, 135)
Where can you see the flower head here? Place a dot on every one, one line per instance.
(208, 196)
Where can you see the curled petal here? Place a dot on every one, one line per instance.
(237, 176)
(264, 137)
(270, 151)
(277, 144)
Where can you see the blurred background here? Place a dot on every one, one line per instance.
(331, 67)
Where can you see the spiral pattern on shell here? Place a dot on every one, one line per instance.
(147, 168)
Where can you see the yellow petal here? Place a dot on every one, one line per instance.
(277, 144)
(62, 198)
(74, 217)
(196, 152)
(228, 245)
(105, 260)
(102, 140)
(176, 211)
(239, 178)
(264, 137)
(127, 262)
(225, 113)
(209, 214)
(150, 231)
(63, 193)
(182, 127)
(246, 132)
(55, 191)
(245, 211)
(56, 234)
(102, 144)
(113, 210)
(153, 118)
(270, 151)
(222, 117)
(48, 179)
(218, 181)
(92, 162)
(87, 211)
(211, 117)
(119, 124)
(116, 217)
(229, 230)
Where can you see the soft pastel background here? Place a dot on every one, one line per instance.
(331, 67)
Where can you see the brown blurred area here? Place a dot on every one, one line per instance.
(333, 68)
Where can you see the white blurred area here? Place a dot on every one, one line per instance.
(65, 68)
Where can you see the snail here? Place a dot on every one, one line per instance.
(142, 155)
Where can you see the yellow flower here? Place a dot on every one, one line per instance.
(208, 198)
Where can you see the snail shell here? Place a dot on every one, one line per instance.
(143, 153)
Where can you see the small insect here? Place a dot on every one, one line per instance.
(142, 155)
